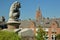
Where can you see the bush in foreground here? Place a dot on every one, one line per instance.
(41, 34)
(5, 35)
(58, 37)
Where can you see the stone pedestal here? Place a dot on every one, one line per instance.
(12, 26)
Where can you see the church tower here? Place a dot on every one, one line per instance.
(38, 15)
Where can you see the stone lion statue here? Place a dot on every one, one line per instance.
(14, 10)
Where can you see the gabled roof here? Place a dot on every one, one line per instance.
(25, 23)
(46, 23)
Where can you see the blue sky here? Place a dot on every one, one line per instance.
(49, 8)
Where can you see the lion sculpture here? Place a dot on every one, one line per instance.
(14, 10)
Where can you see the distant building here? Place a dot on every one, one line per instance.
(50, 25)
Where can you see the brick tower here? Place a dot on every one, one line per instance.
(38, 15)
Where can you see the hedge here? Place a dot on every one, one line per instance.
(5, 35)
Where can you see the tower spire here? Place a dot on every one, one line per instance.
(39, 8)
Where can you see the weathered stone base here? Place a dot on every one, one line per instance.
(28, 38)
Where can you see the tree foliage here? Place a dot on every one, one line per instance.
(58, 37)
(5, 35)
(40, 34)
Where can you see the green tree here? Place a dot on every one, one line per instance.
(41, 34)
(58, 37)
(5, 35)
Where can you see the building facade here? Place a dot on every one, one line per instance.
(50, 25)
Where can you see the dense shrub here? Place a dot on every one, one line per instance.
(58, 37)
(5, 35)
(41, 34)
